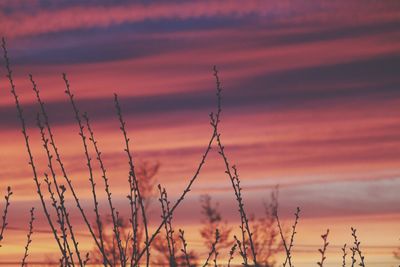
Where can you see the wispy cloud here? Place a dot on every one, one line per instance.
(310, 96)
(17, 21)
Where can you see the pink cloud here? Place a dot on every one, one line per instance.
(77, 17)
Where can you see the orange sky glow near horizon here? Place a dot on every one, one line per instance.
(310, 102)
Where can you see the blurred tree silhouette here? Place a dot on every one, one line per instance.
(265, 233)
(212, 220)
(264, 229)
(163, 258)
(146, 173)
(396, 253)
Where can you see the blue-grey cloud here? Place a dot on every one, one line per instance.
(293, 89)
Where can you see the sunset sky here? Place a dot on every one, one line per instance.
(311, 102)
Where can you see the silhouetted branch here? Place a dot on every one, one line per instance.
(60, 219)
(357, 246)
(63, 170)
(231, 253)
(29, 238)
(184, 247)
(213, 248)
(133, 182)
(62, 208)
(69, 225)
(168, 225)
(265, 233)
(323, 250)
(106, 186)
(88, 163)
(28, 148)
(88, 159)
(214, 123)
(5, 212)
(86, 260)
(344, 255)
(235, 181)
(216, 253)
(241, 250)
(353, 258)
(288, 247)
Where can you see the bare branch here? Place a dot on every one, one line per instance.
(323, 250)
(357, 246)
(184, 247)
(29, 238)
(28, 148)
(5, 212)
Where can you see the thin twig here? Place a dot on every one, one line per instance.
(69, 225)
(353, 256)
(231, 253)
(323, 250)
(28, 148)
(184, 247)
(105, 179)
(60, 211)
(134, 222)
(216, 253)
(215, 119)
(357, 246)
(69, 182)
(63, 170)
(241, 251)
(133, 181)
(5, 212)
(213, 247)
(234, 178)
(168, 226)
(344, 255)
(88, 162)
(60, 219)
(287, 247)
(29, 238)
(62, 208)
(86, 260)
